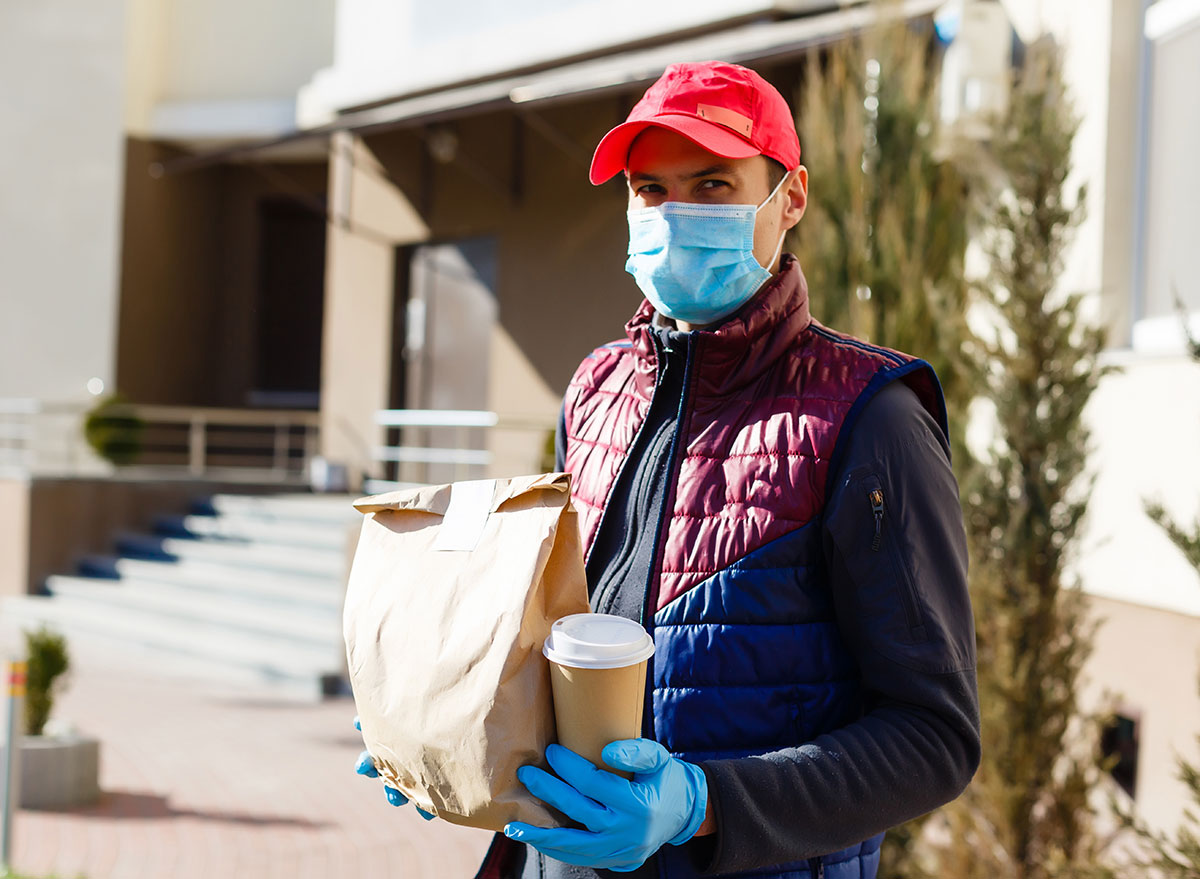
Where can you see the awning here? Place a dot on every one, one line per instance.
(745, 44)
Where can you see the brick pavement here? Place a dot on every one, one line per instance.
(217, 783)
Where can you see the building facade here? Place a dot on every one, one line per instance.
(352, 205)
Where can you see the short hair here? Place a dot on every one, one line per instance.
(775, 172)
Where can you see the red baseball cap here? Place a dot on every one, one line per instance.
(726, 109)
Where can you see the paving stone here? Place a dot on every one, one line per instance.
(204, 781)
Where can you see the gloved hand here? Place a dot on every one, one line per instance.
(365, 766)
(627, 821)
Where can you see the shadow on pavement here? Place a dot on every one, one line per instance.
(136, 805)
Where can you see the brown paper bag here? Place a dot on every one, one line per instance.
(452, 592)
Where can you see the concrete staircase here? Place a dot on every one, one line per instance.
(245, 590)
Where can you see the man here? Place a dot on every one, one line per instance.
(774, 502)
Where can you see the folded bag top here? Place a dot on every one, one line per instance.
(452, 592)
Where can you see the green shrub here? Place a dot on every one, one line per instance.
(113, 432)
(47, 661)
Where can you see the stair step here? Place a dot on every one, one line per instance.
(302, 562)
(268, 620)
(313, 508)
(217, 653)
(220, 579)
(246, 529)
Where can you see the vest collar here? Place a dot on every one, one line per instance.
(738, 350)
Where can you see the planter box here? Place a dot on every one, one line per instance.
(58, 772)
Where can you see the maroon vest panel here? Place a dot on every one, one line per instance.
(767, 394)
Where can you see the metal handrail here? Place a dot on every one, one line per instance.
(288, 440)
(463, 457)
(436, 418)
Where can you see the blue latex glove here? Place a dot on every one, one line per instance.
(626, 821)
(366, 766)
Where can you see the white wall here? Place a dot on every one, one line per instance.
(1172, 259)
(1145, 423)
(389, 47)
(61, 94)
(223, 69)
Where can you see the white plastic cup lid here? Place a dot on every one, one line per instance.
(597, 640)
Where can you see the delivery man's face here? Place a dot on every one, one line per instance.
(665, 166)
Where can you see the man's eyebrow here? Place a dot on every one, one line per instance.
(703, 172)
(712, 169)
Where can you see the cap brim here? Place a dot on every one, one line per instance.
(612, 152)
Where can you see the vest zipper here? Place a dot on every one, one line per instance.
(658, 374)
(651, 597)
(655, 576)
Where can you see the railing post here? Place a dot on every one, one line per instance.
(310, 446)
(460, 443)
(196, 446)
(282, 447)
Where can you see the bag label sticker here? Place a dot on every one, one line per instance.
(466, 516)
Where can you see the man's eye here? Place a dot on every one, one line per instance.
(713, 184)
(650, 189)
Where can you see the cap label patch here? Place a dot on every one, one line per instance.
(743, 125)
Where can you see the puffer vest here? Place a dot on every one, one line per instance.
(748, 657)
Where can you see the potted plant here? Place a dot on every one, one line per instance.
(59, 768)
(113, 431)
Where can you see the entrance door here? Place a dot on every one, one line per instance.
(290, 309)
(446, 312)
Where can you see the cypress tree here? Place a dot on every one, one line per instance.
(883, 240)
(1027, 814)
(891, 209)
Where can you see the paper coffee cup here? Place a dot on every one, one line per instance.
(598, 675)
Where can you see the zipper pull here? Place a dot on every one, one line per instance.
(876, 496)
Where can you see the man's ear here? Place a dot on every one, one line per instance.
(797, 198)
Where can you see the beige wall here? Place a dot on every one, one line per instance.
(204, 58)
(1145, 665)
(61, 90)
(369, 219)
(561, 285)
(14, 536)
(233, 49)
(147, 57)
(190, 275)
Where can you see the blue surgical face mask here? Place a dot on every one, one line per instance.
(695, 262)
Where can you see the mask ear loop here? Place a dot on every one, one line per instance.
(774, 192)
(783, 234)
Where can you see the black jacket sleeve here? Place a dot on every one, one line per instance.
(560, 439)
(897, 563)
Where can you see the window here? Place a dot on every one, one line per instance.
(1119, 743)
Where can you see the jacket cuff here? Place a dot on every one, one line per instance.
(704, 851)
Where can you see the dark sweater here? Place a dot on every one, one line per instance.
(917, 744)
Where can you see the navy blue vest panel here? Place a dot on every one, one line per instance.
(860, 861)
(751, 661)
